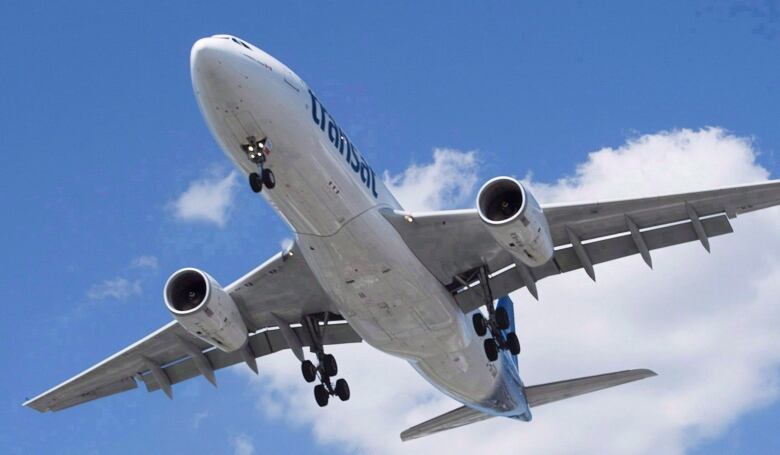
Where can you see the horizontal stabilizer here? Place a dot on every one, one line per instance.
(536, 395)
(555, 391)
(453, 419)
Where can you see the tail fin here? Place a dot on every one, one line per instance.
(536, 395)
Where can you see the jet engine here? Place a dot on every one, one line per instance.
(205, 310)
(515, 220)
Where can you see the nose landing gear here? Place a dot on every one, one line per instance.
(264, 178)
(257, 151)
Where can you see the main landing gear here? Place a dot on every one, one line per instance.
(497, 323)
(325, 369)
(257, 151)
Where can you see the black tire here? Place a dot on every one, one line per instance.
(268, 179)
(309, 371)
(321, 395)
(491, 349)
(342, 389)
(512, 343)
(480, 324)
(329, 365)
(502, 318)
(255, 182)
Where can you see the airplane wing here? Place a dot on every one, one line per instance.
(454, 244)
(283, 285)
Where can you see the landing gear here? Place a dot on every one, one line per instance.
(497, 323)
(329, 365)
(342, 389)
(309, 371)
(512, 343)
(480, 324)
(326, 367)
(256, 151)
(321, 395)
(491, 349)
(268, 179)
(255, 182)
(502, 318)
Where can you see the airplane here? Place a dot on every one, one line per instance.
(431, 288)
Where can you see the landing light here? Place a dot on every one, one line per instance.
(408, 218)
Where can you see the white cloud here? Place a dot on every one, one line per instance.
(207, 200)
(446, 182)
(118, 288)
(706, 323)
(242, 444)
(144, 262)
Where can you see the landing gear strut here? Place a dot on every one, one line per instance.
(497, 323)
(257, 151)
(325, 369)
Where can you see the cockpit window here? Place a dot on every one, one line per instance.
(234, 39)
(240, 43)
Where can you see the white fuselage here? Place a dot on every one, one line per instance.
(332, 200)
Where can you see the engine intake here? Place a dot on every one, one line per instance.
(515, 219)
(500, 200)
(205, 310)
(187, 291)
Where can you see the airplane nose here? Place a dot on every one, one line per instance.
(204, 55)
(213, 67)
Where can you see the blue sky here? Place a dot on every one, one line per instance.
(101, 135)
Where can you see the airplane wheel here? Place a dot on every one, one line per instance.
(255, 182)
(268, 179)
(513, 343)
(502, 318)
(491, 349)
(321, 395)
(342, 389)
(329, 365)
(309, 371)
(480, 324)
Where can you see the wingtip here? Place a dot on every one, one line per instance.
(29, 403)
(646, 373)
(406, 435)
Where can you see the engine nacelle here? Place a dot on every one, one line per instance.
(205, 310)
(515, 220)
